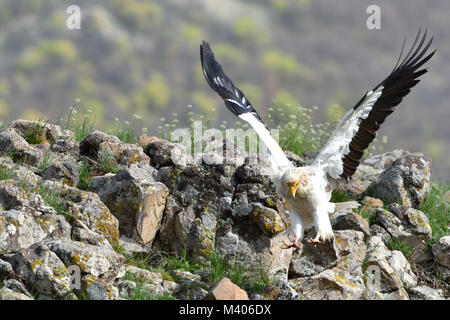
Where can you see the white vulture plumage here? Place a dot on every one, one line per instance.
(307, 190)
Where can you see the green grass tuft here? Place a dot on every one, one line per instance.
(84, 176)
(52, 197)
(437, 209)
(47, 160)
(5, 172)
(402, 246)
(252, 281)
(340, 196)
(161, 262)
(108, 162)
(125, 132)
(81, 126)
(141, 293)
(34, 133)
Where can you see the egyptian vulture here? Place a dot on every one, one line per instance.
(307, 190)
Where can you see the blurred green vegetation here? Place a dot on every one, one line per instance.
(141, 57)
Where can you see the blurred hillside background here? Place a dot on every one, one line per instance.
(138, 61)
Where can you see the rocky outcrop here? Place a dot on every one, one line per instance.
(406, 181)
(135, 200)
(113, 239)
(441, 252)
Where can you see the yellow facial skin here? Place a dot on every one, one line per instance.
(293, 186)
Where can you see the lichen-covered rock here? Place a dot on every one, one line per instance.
(414, 221)
(66, 172)
(347, 219)
(6, 270)
(195, 209)
(407, 225)
(191, 293)
(94, 288)
(90, 145)
(41, 269)
(87, 207)
(170, 287)
(297, 160)
(80, 232)
(346, 252)
(259, 220)
(390, 267)
(268, 219)
(130, 246)
(20, 229)
(426, 293)
(369, 170)
(8, 294)
(18, 148)
(126, 154)
(182, 275)
(390, 223)
(380, 232)
(13, 196)
(400, 294)
(137, 203)
(441, 251)
(163, 153)
(401, 265)
(43, 132)
(406, 181)
(25, 219)
(245, 243)
(19, 172)
(197, 214)
(66, 145)
(125, 287)
(16, 286)
(100, 262)
(331, 284)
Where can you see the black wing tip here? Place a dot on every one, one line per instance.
(417, 50)
(403, 77)
(205, 46)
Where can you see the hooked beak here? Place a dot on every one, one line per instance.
(293, 191)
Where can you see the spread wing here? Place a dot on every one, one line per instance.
(239, 105)
(341, 154)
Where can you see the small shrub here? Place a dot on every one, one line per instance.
(107, 161)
